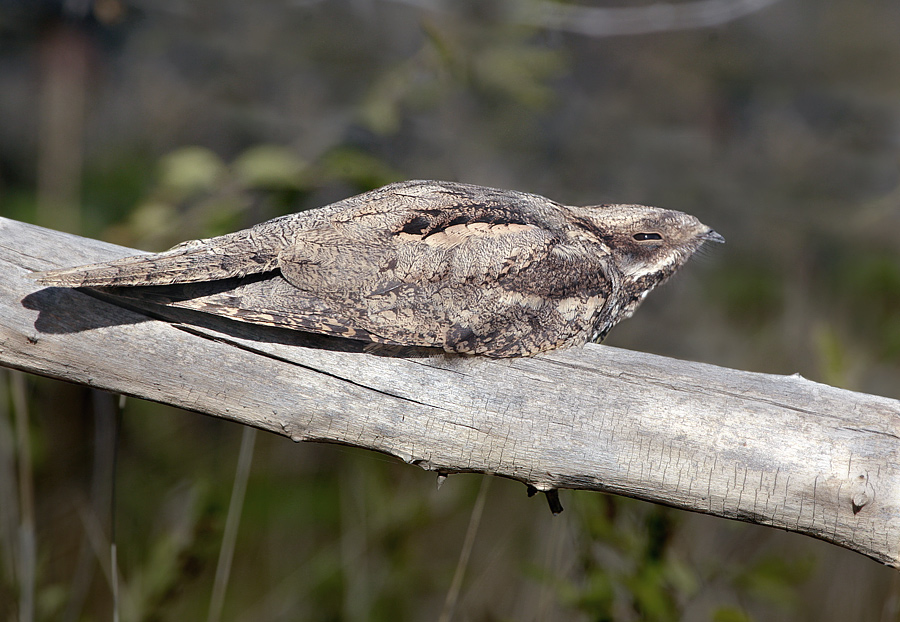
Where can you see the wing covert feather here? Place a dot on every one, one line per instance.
(465, 282)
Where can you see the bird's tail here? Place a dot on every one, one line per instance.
(227, 256)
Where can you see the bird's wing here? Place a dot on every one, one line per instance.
(492, 281)
(255, 250)
(500, 291)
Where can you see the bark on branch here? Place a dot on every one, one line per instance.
(776, 450)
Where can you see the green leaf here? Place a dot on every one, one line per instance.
(270, 166)
(190, 170)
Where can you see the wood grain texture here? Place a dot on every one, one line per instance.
(776, 450)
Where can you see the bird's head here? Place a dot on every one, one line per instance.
(647, 245)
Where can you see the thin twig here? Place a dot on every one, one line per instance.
(465, 553)
(104, 412)
(9, 495)
(354, 543)
(619, 21)
(226, 553)
(113, 548)
(27, 545)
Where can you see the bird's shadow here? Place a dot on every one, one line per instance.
(64, 311)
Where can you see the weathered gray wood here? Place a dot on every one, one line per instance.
(781, 451)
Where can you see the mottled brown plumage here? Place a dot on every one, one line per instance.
(427, 263)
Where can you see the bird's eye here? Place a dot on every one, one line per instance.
(641, 237)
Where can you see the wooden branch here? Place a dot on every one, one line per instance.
(776, 450)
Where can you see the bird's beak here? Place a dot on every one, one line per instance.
(712, 236)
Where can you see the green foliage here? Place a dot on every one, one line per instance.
(631, 569)
(730, 614)
(198, 195)
(869, 283)
(180, 547)
(113, 185)
(774, 579)
(363, 171)
(626, 572)
(189, 171)
(496, 64)
(270, 166)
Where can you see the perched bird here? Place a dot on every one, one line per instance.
(429, 263)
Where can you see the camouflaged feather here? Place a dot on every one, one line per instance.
(426, 263)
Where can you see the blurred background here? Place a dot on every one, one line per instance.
(146, 123)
